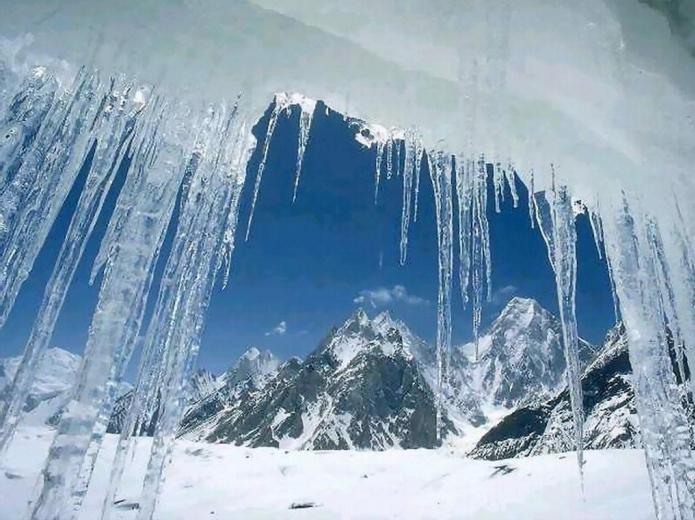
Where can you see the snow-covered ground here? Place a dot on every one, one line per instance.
(222, 481)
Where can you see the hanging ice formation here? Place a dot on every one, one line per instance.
(41, 122)
(172, 340)
(119, 103)
(49, 132)
(440, 165)
(642, 267)
(130, 248)
(283, 104)
(610, 127)
(306, 117)
(411, 174)
(556, 222)
(473, 237)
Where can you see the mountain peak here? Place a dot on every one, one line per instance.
(253, 364)
(518, 302)
(360, 316)
(384, 316)
(522, 312)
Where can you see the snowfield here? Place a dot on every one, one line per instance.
(223, 481)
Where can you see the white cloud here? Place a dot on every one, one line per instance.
(383, 296)
(504, 294)
(278, 330)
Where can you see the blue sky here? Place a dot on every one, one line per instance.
(308, 265)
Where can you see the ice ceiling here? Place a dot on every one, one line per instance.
(590, 99)
(604, 89)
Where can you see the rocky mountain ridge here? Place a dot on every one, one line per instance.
(372, 384)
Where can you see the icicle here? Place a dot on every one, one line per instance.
(389, 158)
(156, 172)
(614, 295)
(272, 123)
(410, 148)
(43, 170)
(511, 181)
(678, 257)
(662, 277)
(597, 233)
(484, 225)
(245, 143)
(556, 222)
(398, 158)
(664, 427)
(464, 194)
(377, 168)
(172, 339)
(20, 124)
(532, 202)
(305, 119)
(441, 175)
(480, 247)
(178, 321)
(419, 150)
(112, 130)
(498, 180)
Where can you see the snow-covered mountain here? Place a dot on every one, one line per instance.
(611, 419)
(361, 388)
(49, 391)
(520, 357)
(371, 384)
(253, 365)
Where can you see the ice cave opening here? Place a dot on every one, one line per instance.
(588, 103)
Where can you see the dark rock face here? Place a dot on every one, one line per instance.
(360, 389)
(609, 407)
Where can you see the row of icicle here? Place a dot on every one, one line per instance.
(186, 169)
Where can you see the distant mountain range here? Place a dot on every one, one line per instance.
(371, 384)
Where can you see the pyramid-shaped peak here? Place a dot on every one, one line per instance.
(525, 303)
(522, 308)
(360, 316)
(384, 318)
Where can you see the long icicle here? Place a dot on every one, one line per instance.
(419, 150)
(481, 264)
(190, 275)
(43, 171)
(278, 108)
(664, 426)
(556, 222)
(149, 378)
(441, 174)
(113, 128)
(306, 118)
(532, 201)
(406, 211)
(464, 195)
(377, 168)
(118, 315)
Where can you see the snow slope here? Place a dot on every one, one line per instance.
(222, 481)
